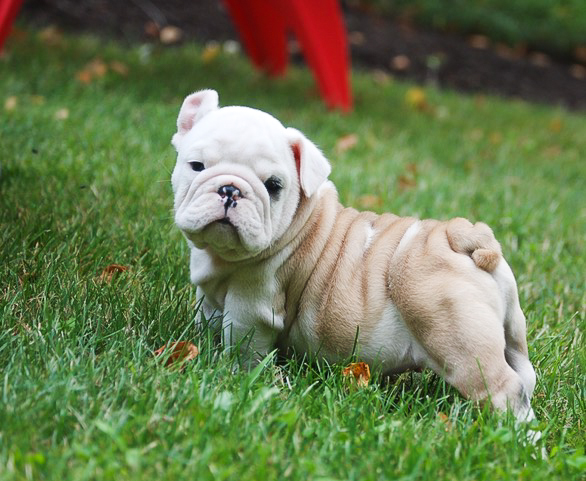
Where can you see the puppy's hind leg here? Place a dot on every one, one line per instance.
(466, 345)
(516, 352)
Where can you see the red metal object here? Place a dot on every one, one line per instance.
(263, 25)
(8, 10)
(319, 27)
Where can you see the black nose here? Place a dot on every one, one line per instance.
(229, 191)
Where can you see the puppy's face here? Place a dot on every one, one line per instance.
(239, 176)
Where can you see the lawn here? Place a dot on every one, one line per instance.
(86, 161)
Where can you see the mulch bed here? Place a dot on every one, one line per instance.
(447, 60)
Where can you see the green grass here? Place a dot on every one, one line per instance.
(555, 26)
(81, 395)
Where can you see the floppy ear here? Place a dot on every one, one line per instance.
(312, 167)
(194, 107)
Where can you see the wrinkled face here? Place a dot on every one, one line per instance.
(237, 179)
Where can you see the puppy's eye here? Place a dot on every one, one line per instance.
(273, 186)
(196, 166)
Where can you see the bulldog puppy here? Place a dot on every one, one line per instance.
(274, 252)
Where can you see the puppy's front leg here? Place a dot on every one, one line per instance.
(207, 317)
(252, 341)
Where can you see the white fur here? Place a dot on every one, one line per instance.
(410, 233)
(370, 234)
(392, 344)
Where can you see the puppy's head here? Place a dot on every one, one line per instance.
(239, 176)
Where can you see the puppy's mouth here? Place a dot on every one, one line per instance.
(225, 221)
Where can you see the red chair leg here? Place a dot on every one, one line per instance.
(8, 10)
(319, 26)
(262, 29)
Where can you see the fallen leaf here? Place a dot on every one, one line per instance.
(412, 168)
(346, 142)
(170, 35)
(540, 59)
(580, 53)
(84, 76)
(359, 371)
(381, 77)
(119, 67)
(210, 52)
(505, 51)
(495, 138)
(356, 38)
(406, 182)
(110, 271)
(555, 125)
(97, 67)
(17, 35)
(479, 41)
(62, 114)
(51, 36)
(370, 201)
(553, 151)
(400, 62)
(231, 47)
(37, 99)
(11, 102)
(511, 53)
(416, 98)
(179, 352)
(479, 101)
(446, 420)
(151, 29)
(578, 71)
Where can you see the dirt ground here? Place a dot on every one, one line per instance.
(469, 64)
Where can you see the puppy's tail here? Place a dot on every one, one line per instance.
(475, 240)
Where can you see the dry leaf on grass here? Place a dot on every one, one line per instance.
(409, 179)
(210, 52)
(358, 371)
(495, 138)
(381, 77)
(416, 98)
(556, 125)
(17, 35)
(84, 77)
(369, 201)
(110, 271)
(346, 142)
(119, 67)
(11, 103)
(179, 352)
(37, 100)
(51, 36)
(62, 114)
(446, 420)
(95, 68)
(406, 183)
